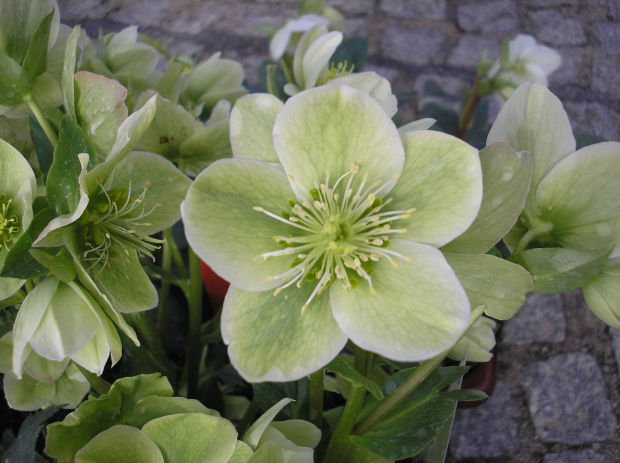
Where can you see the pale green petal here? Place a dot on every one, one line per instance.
(271, 340)
(300, 432)
(193, 437)
(419, 311)
(242, 453)
(328, 129)
(602, 293)
(167, 187)
(155, 406)
(71, 387)
(224, 230)
(476, 343)
(268, 453)
(534, 120)
(251, 124)
(120, 444)
(306, 41)
(205, 146)
(6, 352)
(14, 171)
(316, 57)
(496, 283)
(505, 182)
(27, 394)
(420, 124)
(214, 80)
(131, 59)
(291, 452)
(442, 180)
(376, 86)
(8, 286)
(100, 109)
(43, 369)
(255, 432)
(581, 197)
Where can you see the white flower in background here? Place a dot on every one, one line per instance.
(281, 39)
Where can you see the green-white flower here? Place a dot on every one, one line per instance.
(281, 40)
(327, 225)
(571, 219)
(477, 342)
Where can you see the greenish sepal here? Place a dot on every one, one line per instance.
(504, 57)
(35, 61)
(560, 270)
(484, 64)
(15, 85)
(60, 265)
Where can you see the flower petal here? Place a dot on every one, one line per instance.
(420, 309)
(251, 125)
(269, 339)
(442, 180)
(534, 120)
(581, 197)
(376, 86)
(224, 230)
(328, 129)
(602, 293)
(121, 444)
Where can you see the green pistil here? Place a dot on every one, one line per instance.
(9, 224)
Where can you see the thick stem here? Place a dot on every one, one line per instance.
(176, 254)
(316, 397)
(195, 323)
(391, 402)
(43, 122)
(531, 234)
(100, 385)
(470, 108)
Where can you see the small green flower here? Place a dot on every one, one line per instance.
(339, 241)
(477, 342)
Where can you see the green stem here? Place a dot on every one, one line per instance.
(531, 234)
(176, 254)
(195, 323)
(164, 293)
(100, 385)
(43, 122)
(150, 336)
(392, 402)
(470, 108)
(316, 397)
(248, 417)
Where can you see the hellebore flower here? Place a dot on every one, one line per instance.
(571, 220)
(281, 39)
(340, 239)
(526, 61)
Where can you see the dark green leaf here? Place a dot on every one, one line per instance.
(447, 119)
(35, 62)
(560, 270)
(22, 449)
(344, 369)
(42, 146)
(586, 139)
(433, 88)
(15, 85)
(61, 265)
(63, 189)
(19, 262)
(351, 51)
(269, 394)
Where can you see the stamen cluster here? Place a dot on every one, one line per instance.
(9, 224)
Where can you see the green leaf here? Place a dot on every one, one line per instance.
(346, 371)
(63, 188)
(447, 119)
(22, 449)
(61, 265)
(42, 146)
(19, 262)
(68, 72)
(560, 270)
(352, 51)
(254, 433)
(15, 85)
(35, 62)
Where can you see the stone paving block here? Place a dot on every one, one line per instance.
(581, 456)
(70, 10)
(567, 399)
(615, 335)
(417, 46)
(497, 17)
(414, 9)
(605, 75)
(465, 54)
(541, 319)
(555, 29)
(347, 7)
(548, 3)
(609, 35)
(489, 430)
(568, 72)
(593, 119)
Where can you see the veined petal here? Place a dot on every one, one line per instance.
(581, 197)
(328, 129)
(420, 309)
(442, 180)
(534, 120)
(251, 125)
(602, 293)
(316, 58)
(269, 339)
(376, 86)
(226, 232)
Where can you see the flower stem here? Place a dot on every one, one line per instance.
(248, 417)
(176, 254)
(164, 293)
(100, 385)
(391, 402)
(470, 108)
(195, 322)
(531, 234)
(43, 122)
(316, 397)
(148, 333)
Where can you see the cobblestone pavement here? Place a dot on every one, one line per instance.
(557, 398)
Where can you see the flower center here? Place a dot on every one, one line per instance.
(341, 234)
(109, 227)
(9, 224)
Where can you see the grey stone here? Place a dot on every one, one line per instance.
(609, 35)
(548, 3)
(489, 430)
(555, 29)
(541, 319)
(605, 75)
(567, 399)
(466, 53)
(498, 17)
(418, 46)
(613, 7)
(347, 7)
(581, 456)
(71, 10)
(415, 9)
(615, 335)
(593, 119)
(568, 72)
